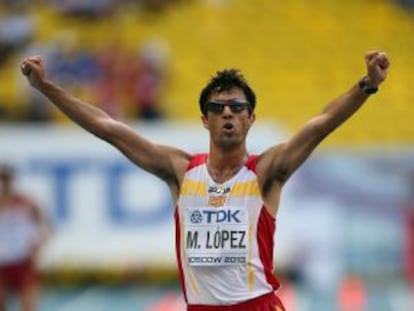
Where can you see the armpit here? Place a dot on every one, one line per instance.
(278, 176)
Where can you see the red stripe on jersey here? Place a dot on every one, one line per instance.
(266, 228)
(251, 162)
(196, 160)
(265, 239)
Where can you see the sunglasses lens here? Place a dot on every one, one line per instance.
(235, 106)
(215, 107)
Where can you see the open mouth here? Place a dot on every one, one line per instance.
(228, 127)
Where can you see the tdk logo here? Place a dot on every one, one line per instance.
(196, 217)
(222, 216)
(218, 190)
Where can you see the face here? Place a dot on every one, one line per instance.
(228, 118)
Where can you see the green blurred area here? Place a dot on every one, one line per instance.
(297, 55)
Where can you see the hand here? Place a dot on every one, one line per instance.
(377, 66)
(33, 69)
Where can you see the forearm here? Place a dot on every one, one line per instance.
(87, 116)
(342, 108)
(346, 105)
(287, 157)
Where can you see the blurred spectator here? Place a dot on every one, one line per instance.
(147, 81)
(16, 29)
(154, 5)
(123, 84)
(36, 108)
(67, 63)
(85, 8)
(409, 4)
(112, 75)
(23, 231)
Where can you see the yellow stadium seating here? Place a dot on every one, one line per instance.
(296, 54)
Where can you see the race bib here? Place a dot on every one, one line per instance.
(216, 236)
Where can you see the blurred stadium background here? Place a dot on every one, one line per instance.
(345, 238)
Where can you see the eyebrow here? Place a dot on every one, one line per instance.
(238, 100)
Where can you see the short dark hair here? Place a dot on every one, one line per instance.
(225, 80)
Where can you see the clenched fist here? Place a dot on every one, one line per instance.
(33, 69)
(377, 66)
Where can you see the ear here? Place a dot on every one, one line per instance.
(252, 118)
(204, 119)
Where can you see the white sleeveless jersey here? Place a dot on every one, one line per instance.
(18, 232)
(224, 237)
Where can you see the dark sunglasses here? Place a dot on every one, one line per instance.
(235, 105)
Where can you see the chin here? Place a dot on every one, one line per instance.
(229, 142)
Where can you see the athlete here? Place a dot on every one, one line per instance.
(23, 231)
(226, 199)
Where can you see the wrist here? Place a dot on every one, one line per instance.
(43, 85)
(367, 86)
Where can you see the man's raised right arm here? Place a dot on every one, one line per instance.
(163, 161)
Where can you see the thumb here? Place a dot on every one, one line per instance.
(369, 56)
(26, 68)
(30, 64)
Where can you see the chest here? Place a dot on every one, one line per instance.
(200, 189)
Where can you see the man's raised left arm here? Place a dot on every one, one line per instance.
(282, 160)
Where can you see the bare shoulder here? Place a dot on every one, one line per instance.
(179, 157)
(179, 160)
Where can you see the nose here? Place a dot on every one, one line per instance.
(227, 112)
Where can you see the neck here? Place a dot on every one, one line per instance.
(224, 164)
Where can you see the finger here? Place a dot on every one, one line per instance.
(32, 63)
(33, 60)
(381, 60)
(374, 60)
(370, 55)
(38, 60)
(34, 57)
(25, 68)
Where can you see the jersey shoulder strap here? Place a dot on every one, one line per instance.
(196, 160)
(251, 162)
